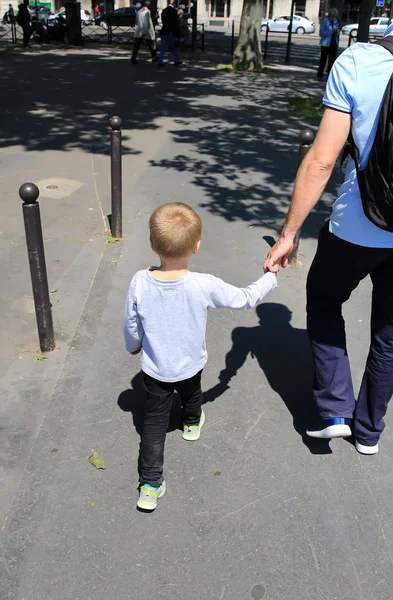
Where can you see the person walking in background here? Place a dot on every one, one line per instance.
(11, 14)
(329, 33)
(144, 30)
(170, 33)
(24, 20)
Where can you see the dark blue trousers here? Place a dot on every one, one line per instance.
(336, 271)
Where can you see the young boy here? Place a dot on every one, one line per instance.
(165, 317)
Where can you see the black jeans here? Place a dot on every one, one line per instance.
(157, 413)
(337, 270)
(137, 44)
(327, 52)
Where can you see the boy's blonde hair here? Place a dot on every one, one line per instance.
(175, 230)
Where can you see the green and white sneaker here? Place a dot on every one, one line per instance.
(193, 432)
(148, 496)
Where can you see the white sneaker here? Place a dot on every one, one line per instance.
(366, 449)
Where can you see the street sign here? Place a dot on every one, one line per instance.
(380, 3)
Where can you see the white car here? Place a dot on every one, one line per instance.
(378, 26)
(300, 25)
(86, 17)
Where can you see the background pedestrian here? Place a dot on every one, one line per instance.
(329, 33)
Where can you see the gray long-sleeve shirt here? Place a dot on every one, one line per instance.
(167, 319)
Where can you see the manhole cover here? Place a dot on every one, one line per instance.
(51, 187)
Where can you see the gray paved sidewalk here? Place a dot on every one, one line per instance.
(254, 509)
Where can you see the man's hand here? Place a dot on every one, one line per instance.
(136, 352)
(278, 255)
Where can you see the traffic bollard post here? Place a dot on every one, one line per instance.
(306, 141)
(116, 183)
(233, 38)
(266, 41)
(29, 193)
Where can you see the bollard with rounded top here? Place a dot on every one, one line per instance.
(306, 141)
(115, 123)
(29, 193)
(116, 183)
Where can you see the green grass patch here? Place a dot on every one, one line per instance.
(224, 68)
(306, 108)
(230, 69)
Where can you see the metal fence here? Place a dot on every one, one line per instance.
(97, 34)
(8, 32)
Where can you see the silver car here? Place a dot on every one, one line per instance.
(300, 25)
(378, 26)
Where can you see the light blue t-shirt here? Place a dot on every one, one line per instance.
(356, 85)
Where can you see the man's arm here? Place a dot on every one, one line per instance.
(312, 177)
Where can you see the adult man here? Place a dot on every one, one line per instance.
(144, 30)
(170, 33)
(350, 248)
(329, 32)
(24, 20)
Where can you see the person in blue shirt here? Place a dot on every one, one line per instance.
(350, 248)
(329, 32)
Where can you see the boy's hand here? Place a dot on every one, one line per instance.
(136, 352)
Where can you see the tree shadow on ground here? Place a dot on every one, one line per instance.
(236, 137)
(284, 355)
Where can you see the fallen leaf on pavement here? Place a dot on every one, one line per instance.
(97, 461)
(40, 357)
(113, 240)
(54, 450)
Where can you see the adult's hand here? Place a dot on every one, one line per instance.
(278, 255)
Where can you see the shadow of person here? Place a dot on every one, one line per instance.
(133, 400)
(284, 355)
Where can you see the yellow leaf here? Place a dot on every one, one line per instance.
(97, 461)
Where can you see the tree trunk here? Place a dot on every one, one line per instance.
(248, 55)
(365, 11)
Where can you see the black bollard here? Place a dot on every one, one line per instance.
(116, 187)
(35, 249)
(289, 41)
(306, 141)
(203, 37)
(266, 41)
(233, 38)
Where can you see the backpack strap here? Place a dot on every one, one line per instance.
(350, 148)
(387, 43)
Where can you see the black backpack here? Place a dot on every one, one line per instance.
(376, 180)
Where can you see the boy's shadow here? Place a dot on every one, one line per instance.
(284, 355)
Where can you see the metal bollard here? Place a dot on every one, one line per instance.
(203, 38)
(266, 41)
(35, 249)
(306, 141)
(116, 187)
(233, 38)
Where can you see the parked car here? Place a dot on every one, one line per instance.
(122, 17)
(378, 26)
(300, 25)
(86, 17)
